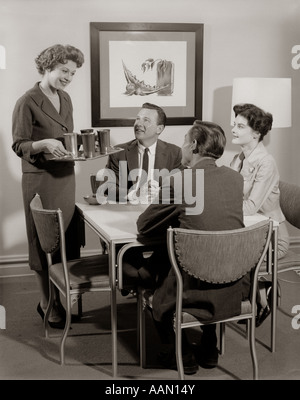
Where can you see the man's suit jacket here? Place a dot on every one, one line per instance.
(167, 156)
(223, 210)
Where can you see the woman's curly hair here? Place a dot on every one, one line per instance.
(58, 54)
(259, 120)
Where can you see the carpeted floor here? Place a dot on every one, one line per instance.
(26, 354)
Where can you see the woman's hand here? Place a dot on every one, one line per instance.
(52, 146)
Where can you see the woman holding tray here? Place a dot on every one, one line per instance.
(40, 118)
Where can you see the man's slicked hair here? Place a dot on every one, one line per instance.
(161, 116)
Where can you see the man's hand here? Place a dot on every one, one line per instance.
(145, 194)
(153, 189)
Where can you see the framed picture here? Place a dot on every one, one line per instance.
(135, 63)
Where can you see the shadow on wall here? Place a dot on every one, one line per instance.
(222, 112)
(13, 240)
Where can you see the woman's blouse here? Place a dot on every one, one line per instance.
(261, 183)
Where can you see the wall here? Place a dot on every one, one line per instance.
(238, 41)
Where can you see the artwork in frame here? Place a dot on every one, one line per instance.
(135, 63)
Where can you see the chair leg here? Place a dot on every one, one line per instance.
(114, 331)
(49, 308)
(248, 331)
(222, 338)
(142, 331)
(138, 344)
(178, 348)
(63, 339)
(253, 349)
(79, 305)
(278, 295)
(66, 330)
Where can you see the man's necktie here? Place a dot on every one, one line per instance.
(145, 166)
(242, 158)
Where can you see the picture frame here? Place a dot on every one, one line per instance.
(135, 63)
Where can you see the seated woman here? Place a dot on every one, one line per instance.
(222, 189)
(258, 168)
(260, 173)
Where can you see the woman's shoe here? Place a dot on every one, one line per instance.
(74, 318)
(262, 314)
(264, 305)
(56, 325)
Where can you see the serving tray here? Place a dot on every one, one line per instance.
(81, 156)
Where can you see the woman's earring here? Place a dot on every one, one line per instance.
(195, 150)
(256, 135)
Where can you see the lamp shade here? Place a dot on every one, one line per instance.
(273, 95)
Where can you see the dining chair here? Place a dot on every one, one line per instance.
(290, 206)
(71, 277)
(140, 293)
(94, 186)
(217, 257)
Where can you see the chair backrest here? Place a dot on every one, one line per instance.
(49, 226)
(219, 256)
(290, 202)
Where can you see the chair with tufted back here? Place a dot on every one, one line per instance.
(216, 257)
(290, 206)
(71, 277)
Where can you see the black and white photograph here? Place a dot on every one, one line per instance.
(150, 193)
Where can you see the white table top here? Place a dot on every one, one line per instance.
(117, 222)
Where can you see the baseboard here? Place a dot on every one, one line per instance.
(14, 259)
(15, 270)
(17, 265)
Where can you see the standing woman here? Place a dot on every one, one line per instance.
(40, 118)
(258, 168)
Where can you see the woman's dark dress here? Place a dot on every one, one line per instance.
(35, 118)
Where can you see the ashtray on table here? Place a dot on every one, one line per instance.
(91, 199)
